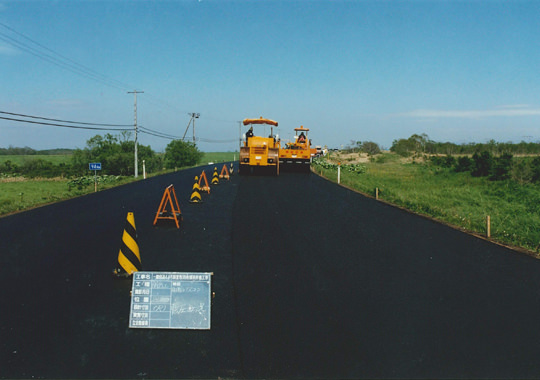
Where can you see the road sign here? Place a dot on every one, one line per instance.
(94, 166)
(170, 300)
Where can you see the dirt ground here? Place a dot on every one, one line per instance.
(361, 158)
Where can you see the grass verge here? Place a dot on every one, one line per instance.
(18, 194)
(454, 198)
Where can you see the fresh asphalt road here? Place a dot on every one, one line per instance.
(311, 281)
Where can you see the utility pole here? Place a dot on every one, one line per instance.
(193, 117)
(239, 136)
(135, 125)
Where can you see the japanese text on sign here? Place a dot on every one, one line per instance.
(170, 300)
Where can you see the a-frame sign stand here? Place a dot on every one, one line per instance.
(169, 198)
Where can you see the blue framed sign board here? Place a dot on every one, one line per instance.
(171, 300)
(94, 166)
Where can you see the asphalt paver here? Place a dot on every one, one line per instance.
(311, 280)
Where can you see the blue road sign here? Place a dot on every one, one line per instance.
(95, 166)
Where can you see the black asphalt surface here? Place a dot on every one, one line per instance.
(311, 280)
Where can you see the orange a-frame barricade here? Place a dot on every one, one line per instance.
(224, 172)
(204, 187)
(169, 198)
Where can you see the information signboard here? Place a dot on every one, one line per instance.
(94, 166)
(171, 300)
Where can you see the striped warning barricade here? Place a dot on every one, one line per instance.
(129, 258)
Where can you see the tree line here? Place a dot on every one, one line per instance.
(116, 155)
(497, 161)
(27, 151)
(495, 168)
(419, 144)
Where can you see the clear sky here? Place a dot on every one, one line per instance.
(460, 71)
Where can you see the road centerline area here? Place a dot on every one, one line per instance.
(310, 280)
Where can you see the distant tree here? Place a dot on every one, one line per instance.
(26, 151)
(38, 167)
(414, 144)
(403, 147)
(181, 153)
(370, 148)
(9, 167)
(522, 171)
(463, 164)
(501, 168)
(482, 164)
(535, 170)
(445, 161)
(116, 154)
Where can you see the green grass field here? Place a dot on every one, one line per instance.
(21, 159)
(19, 195)
(455, 198)
(217, 157)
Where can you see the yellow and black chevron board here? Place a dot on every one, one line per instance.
(129, 258)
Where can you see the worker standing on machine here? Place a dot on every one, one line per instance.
(249, 134)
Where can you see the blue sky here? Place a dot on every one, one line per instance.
(460, 71)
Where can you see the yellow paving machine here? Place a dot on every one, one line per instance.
(296, 155)
(258, 152)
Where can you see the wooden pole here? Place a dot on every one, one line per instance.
(488, 226)
(377, 193)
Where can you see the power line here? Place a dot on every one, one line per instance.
(158, 133)
(65, 126)
(58, 59)
(97, 127)
(66, 121)
(31, 46)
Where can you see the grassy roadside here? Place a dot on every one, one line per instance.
(454, 198)
(18, 193)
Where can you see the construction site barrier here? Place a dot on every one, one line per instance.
(169, 202)
(129, 258)
(195, 194)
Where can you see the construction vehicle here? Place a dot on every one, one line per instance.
(297, 155)
(257, 152)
